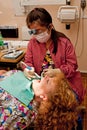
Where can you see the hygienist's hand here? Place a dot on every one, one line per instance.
(29, 73)
(2, 72)
(50, 72)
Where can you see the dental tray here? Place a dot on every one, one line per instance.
(13, 55)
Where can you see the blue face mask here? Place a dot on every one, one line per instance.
(32, 31)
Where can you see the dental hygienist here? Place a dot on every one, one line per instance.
(49, 48)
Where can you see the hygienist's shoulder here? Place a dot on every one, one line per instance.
(65, 41)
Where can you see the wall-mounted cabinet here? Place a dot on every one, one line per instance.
(19, 5)
(42, 2)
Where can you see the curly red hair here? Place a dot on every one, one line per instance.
(59, 111)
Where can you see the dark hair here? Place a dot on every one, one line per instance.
(39, 14)
(44, 19)
(55, 35)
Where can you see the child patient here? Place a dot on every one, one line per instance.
(57, 109)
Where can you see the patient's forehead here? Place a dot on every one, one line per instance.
(59, 76)
(48, 83)
(57, 79)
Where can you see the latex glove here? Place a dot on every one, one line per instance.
(2, 72)
(29, 73)
(50, 72)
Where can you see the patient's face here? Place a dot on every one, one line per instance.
(43, 86)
